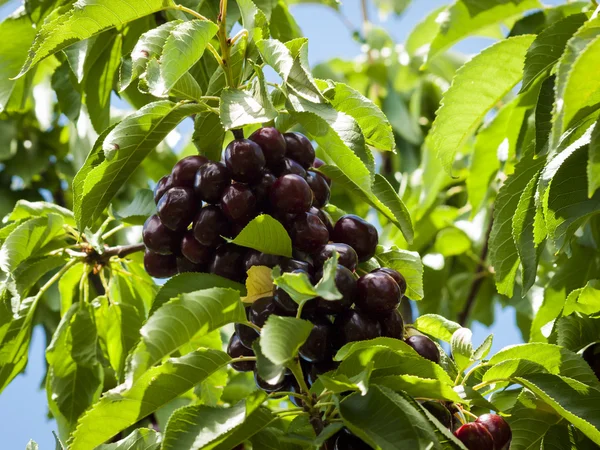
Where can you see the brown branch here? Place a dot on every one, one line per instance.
(120, 251)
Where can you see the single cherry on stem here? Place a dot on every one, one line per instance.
(184, 172)
(358, 234)
(272, 143)
(291, 194)
(159, 238)
(210, 182)
(245, 160)
(475, 436)
(498, 428)
(160, 266)
(177, 207)
(424, 347)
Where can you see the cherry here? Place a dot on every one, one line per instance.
(290, 167)
(346, 284)
(353, 325)
(247, 335)
(272, 143)
(299, 148)
(160, 266)
(347, 256)
(227, 262)
(325, 218)
(261, 309)
(424, 347)
(347, 441)
(291, 265)
(209, 225)
(291, 385)
(256, 258)
(211, 180)
(317, 369)
(159, 238)
(194, 250)
(320, 163)
(377, 293)
(261, 189)
(308, 233)
(238, 202)
(392, 325)
(245, 159)
(235, 349)
(262, 384)
(184, 172)
(320, 188)
(592, 356)
(397, 276)
(185, 265)
(176, 208)
(358, 234)
(162, 186)
(440, 412)
(291, 194)
(475, 436)
(498, 428)
(319, 344)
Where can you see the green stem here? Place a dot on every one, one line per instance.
(225, 43)
(487, 383)
(253, 326)
(54, 279)
(241, 359)
(282, 394)
(196, 14)
(297, 372)
(323, 404)
(113, 231)
(470, 372)
(241, 33)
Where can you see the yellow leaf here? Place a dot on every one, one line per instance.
(259, 284)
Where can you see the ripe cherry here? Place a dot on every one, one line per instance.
(261, 189)
(424, 347)
(346, 284)
(185, 265)
(325, 218)
(319, 163)
(475, 436)
(319, 344)
(289, 166)
(347, 256)
(262, 384)
(272, 143)
(498, 428)
(317, 369)
(210, 182)
(354, 325)
(320, 188)
(592, 356)
(176, 208)
(397, 276)
(194, 250)
(291, 194)
(392, 325)
(238, 203)
(291, 265)
(261, 309)
(256, 258)
(245, 160)
(184, 172)
(228, 262)
(235, 349)
(159, 238)
(299, 148)
(357, 233)
(209, 225)
(308, 233)
(162, 186)
(160, 266)
(347, 441)
(377, 293)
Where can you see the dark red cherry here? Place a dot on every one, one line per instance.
(346, 284)
(159, 238)
(228, 262)
(262, 384)
(209, 225)
(184, 172)
(353, 325)
(291, 194)
(210, 182)
(358, 234)
(498, 428)
(194, 250)
(290, 167)
(308, 233)
(291, 265)
(272, 143)
(256, 258)
(424, 347)
(245, 160)
(261, 189)
(392, 325)
(325, 218)
(162, 186)
(177, 207)
(235, 349)
(160, 266)
(397, 276)
(247, 335)
(185, 265)
(347, 441)
(346, 256)
(377, 293)
(318, 347)
(320, 163)
(320, 188)
(261, 309)
(299, 148)
(238, 203)
(591, 355)
(475, 436)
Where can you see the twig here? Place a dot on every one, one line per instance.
(121, 251)
(196, 14)
(224, 42)
(238, 133)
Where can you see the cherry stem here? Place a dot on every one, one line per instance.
(242, 359)
(238, 133)
(253, 326)
(225, 43)
(281, 394)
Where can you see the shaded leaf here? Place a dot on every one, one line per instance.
(141, 207)
(266, 235)
(282, 337)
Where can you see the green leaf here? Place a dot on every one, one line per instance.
(14, 52)
(124, 405)
(584, 300)
(29, 239)
(451, 242)
(529, 426)
(31, 271)
(409, 265)
(420, 37)
(548, 46)
(182, 49)
(387, 420)
(384, 342)
(476, 89)
(282, 337)
(266, 235)
(387, 7)
(82, 21)
(436, 326)
(418, 387)
(573, 400)
(139, 209)
(209, 135)
(543, 115)
(75, 377)
(341, 383)
(574, 332)
(271, 373)
(119, 152)
(182, 319)
(593, 165)
(465, 17)
(25, 210)
(68, 91)
(462, 348)
(138, 439)
(482, 351)
(68, 287)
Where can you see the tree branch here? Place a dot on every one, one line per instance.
(120, 251)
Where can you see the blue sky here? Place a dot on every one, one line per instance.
(23, 410)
